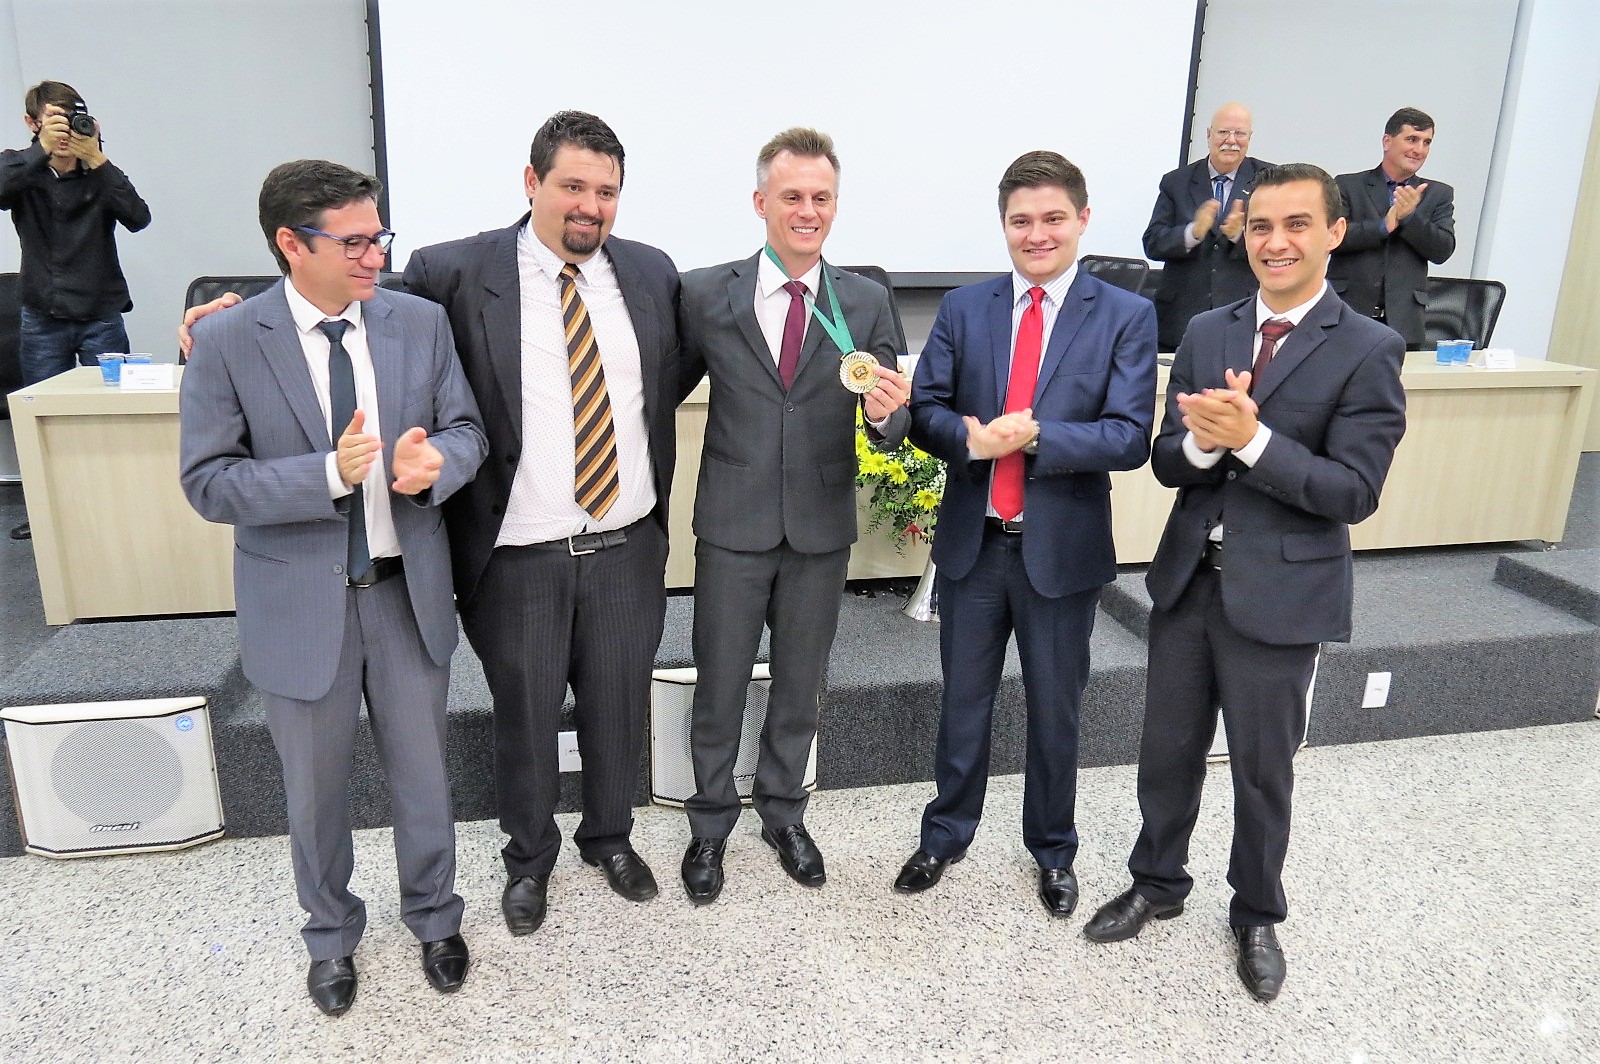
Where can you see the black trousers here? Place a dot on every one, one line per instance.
(542, 620)
(1199, 661)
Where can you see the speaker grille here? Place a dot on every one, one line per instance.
(116, 772)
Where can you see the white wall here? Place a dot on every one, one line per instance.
(1544, 131)
(197, 99)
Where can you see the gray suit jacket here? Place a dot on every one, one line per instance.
(1372, 269)
(777, 465)
(253, 455)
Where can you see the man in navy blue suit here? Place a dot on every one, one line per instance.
(1033, 387)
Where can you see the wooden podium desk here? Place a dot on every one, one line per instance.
(1488, 456)
(113, 535)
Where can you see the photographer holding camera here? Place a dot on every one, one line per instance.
(65, 198)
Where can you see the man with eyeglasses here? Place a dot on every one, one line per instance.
(1195, 229)
(327, 421)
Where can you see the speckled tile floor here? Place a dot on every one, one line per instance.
(1442, 909)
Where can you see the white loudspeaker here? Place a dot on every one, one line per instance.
(671, 705)
(95, 778)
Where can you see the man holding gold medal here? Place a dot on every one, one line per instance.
(793, 347)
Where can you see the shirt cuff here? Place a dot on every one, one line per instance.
(877, 426)
(337, 488)
(1250, 453)
(1190, 241)
(1198, 458)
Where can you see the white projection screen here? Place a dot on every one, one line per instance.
(927, 103)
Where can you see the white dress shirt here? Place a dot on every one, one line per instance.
(381, 539)
(542, 506)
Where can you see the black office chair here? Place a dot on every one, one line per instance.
(880, 275)
(1124, 273)
(1152, 282)
(10, 338)
(1462, 308)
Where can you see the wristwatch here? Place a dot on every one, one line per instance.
(1032, 446)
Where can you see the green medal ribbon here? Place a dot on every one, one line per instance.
(836, 328)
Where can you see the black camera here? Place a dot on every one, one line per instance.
(81, 121)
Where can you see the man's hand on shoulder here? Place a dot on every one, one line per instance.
(194, 314)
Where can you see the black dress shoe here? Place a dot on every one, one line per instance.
(1058, 889)
(1260, 961)
(1125, 916)
(524, 903)
(628, 875)
(445, 963)
(922, 870)
(333, 984)
(797, 853)
(22, 531)
(702, 869)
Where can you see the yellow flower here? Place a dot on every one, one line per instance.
(925, 499)
(874, 463)
(896, 473)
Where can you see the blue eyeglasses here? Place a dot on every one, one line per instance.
(354, 246)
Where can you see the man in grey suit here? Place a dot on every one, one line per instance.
(327, 421)
(774, 513)
(1398, 223)
(1283, 413)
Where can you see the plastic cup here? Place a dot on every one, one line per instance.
(111, 369)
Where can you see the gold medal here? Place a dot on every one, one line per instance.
(858, 371)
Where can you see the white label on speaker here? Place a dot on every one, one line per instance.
(567, 747)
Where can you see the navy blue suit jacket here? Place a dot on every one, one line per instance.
(1333, 399)
(1095, 404)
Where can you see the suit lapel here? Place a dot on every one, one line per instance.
(645, 318)
(385, 346)
(1000, 340)
(1075, 307)
(1238, 346)
(1200, 184)
(1378, 191)
(815, 333)
(742, 305)
(280, 344)
(1298, 345)
(501, 317)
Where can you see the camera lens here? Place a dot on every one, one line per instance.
(82, 125)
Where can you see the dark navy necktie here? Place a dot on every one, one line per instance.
(342, 402)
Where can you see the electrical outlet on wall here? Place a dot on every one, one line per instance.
(1377, 693)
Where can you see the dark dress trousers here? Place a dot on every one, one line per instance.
(1246, 637)
(1212, 273)
(1385, 275)
(254, 454)
(1094, 403)
(774, 518)
(543, 620)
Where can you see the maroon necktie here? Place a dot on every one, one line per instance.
(1272, 330)
(1006, 492)
(794, 333)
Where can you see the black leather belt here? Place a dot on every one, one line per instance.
(587, 543)
(382, 569)
(1000, 524)
(1213, 554)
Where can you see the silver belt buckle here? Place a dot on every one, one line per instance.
(573, 551)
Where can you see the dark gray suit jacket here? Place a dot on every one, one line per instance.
(1333, 400)
(1215, 271)
(1373, 269)
(475, 279)
(777, 465)
(254, 455)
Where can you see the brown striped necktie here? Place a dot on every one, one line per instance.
(596, 483)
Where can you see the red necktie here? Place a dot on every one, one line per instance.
(794, 333)
(1272, 330)
(1006, 492)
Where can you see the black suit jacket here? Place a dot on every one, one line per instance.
(1333, 400)
(778, 465)
(475, 279)
(1215, 271)
(1374, 270)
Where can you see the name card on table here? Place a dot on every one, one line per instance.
(1492, 358)
(148, 378)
